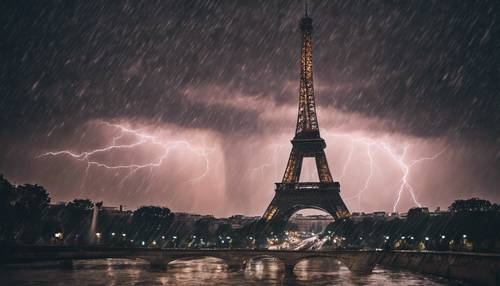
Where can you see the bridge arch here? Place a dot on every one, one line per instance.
(305, 259)
(264, 256)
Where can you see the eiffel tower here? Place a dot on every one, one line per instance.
(292, 196)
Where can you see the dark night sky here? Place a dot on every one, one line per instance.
(223, 76)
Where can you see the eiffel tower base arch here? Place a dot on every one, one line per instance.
(288, 202)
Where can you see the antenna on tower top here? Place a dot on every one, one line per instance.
(306, 8)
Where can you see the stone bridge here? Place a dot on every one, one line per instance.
(477, 268)
(236, 259)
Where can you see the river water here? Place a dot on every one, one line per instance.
(206, 271)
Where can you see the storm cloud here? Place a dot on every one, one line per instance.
(409, 72)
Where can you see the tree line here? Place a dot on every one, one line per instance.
(469, 225)
(26, 217)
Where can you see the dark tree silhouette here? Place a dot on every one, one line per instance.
(150, 223)
(470, 205)
(30, 203)
(7, 197)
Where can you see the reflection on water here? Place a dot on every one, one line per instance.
(206, 271)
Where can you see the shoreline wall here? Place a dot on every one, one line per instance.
(476, 268)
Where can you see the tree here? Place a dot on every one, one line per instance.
(151, 222)
(470, 205)
(7, 196)
(76, 220)
(80, 205)
(30, 202)
(202, 233)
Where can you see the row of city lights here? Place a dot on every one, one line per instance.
(59, 235)
(386, 237)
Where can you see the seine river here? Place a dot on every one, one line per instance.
(207, 271)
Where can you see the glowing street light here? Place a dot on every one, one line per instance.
(58, 235)
(113, 234)
(124, 234)
(443, 237)
(98, 234)
(426, 238)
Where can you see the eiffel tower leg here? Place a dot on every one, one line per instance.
(335, 207)
(322, 165)
(293, 168)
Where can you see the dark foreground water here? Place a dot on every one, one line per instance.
(207, 271)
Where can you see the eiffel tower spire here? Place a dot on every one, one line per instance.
(307, 141)
(307, 121)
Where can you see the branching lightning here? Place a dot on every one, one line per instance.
(141, 139)
(406, 167)
(399, 159)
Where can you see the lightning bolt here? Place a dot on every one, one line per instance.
(399, 159)
(405, 168)
(141, 138)
(358, 196)
(348, 160)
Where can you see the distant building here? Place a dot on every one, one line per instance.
(311, 223)
(238, 221)
(190, 218)
(439, 212)
(379, 214)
